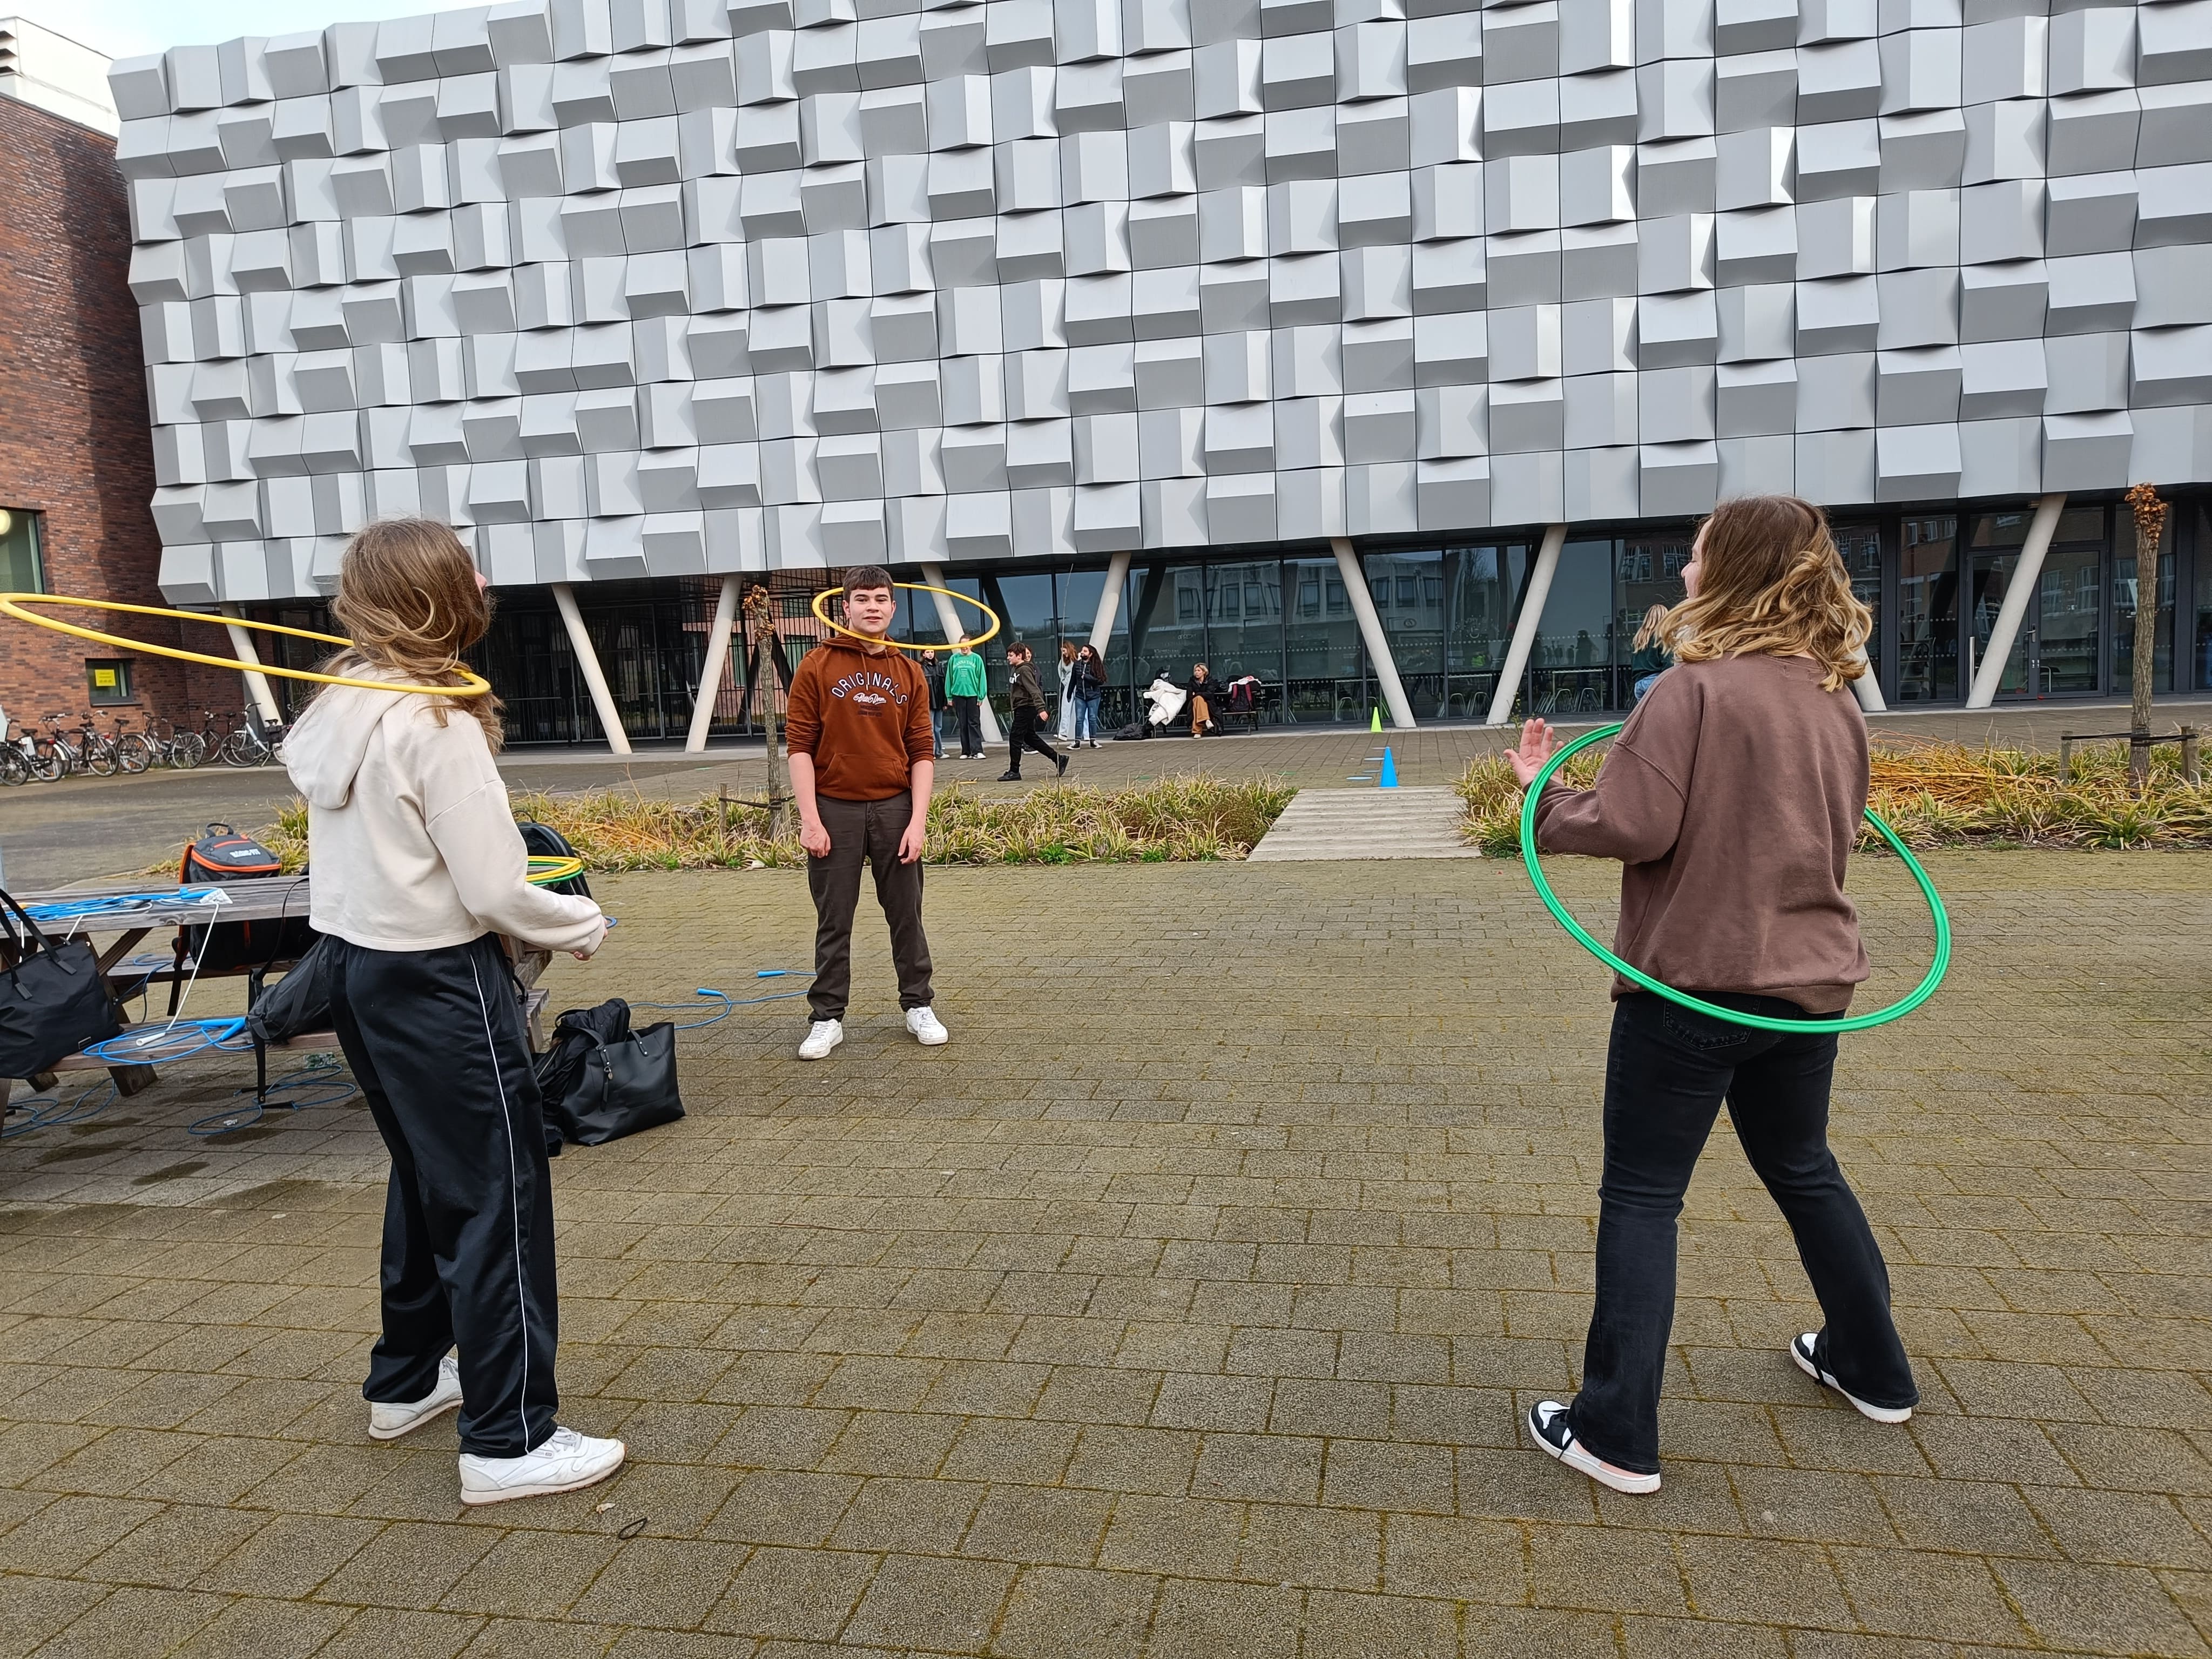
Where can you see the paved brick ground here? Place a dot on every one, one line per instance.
(1184, 1305)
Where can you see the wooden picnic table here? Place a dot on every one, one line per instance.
(267, 898)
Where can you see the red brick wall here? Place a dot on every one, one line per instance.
(74, 442)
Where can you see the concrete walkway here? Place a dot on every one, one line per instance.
(1356, 823)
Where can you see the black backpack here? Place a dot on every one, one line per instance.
(543, 841)
(222, 856)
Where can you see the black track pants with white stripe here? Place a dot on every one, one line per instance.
(435, 1039)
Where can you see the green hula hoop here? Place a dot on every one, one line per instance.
(1898, 1010)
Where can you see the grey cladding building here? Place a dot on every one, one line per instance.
(1380, 348)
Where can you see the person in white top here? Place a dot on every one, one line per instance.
(420, 878)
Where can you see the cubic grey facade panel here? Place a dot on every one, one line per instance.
(629, 288)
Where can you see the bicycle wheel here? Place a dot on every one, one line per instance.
(134, 750)
(99, 758)
(49, 764)
(14, 768)
(187, 749)
(241, 748)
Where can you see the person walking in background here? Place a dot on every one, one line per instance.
(963, 689)
(1028, 712)
(1648, 657)
(1088, 684)
(1064, 727)
(940, 706)
(1203, 695)
(1732, 800)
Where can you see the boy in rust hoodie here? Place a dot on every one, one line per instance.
(862, 767)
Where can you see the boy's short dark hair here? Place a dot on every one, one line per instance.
(866, 576)
(1017, 649)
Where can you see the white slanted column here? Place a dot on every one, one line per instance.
(2025, 576)
(587, 660)
(257, 685)
(1525, 627)
(948, 619)
(1370, 630)
(1867, 691)
(1109, 602)
(710, 672)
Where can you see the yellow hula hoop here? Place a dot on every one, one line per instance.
(545, 869)
(12, 604)
(991, 632)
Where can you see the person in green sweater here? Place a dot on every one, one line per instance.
(963, 685)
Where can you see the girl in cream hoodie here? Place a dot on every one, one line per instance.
(419, 871)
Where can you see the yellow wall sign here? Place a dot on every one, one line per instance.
(104, 678)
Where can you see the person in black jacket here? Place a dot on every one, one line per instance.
(1029, 715)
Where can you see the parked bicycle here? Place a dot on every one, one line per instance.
(20, 757)
(134, 750)
(253, 744)
(182, 749)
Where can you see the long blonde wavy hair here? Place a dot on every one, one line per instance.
(408, 598)
(1771, 582)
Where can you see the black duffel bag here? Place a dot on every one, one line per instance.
(299, 1002)
(601, 1080)
(53, 1002)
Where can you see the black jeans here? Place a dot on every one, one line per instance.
(1666, 1072)
(1029, 733)
(864, 833)
(435, 1039)
(970, 712)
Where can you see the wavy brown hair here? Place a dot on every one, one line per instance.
(1771, 582)
(408, 597)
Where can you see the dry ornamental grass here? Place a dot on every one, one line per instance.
(1940, 794)
(1174, 819)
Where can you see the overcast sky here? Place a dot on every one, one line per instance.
(124, 28)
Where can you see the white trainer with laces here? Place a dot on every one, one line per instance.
(388, 1420)
(1548, 1428)
(563, 1461)
(821, 1038)
(1806, 1351)
(928, 1031)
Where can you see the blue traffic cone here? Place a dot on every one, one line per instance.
(1389, 778)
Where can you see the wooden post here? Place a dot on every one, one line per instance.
(2150, 527)
(2065, 757)
(2190, 774)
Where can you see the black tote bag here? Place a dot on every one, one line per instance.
(52, 1002)
(621, 1088)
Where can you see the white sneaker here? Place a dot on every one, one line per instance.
(928, 1031)
(826, 1034)
(1803, 1350)
(388, 1421)
(562, 1462)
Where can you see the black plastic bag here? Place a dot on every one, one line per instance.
(299, 1001)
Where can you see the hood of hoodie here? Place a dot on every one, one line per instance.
(323, 750)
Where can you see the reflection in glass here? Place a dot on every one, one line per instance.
(1408, 590)
(1649, 572)
(1482, 587)
(1928, 609)
(1321, 660)
(1244, 625)
(1570, 663)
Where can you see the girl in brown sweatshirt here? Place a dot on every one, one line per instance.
(1732, 798)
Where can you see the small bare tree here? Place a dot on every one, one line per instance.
(2150, 528)
(760, 626)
